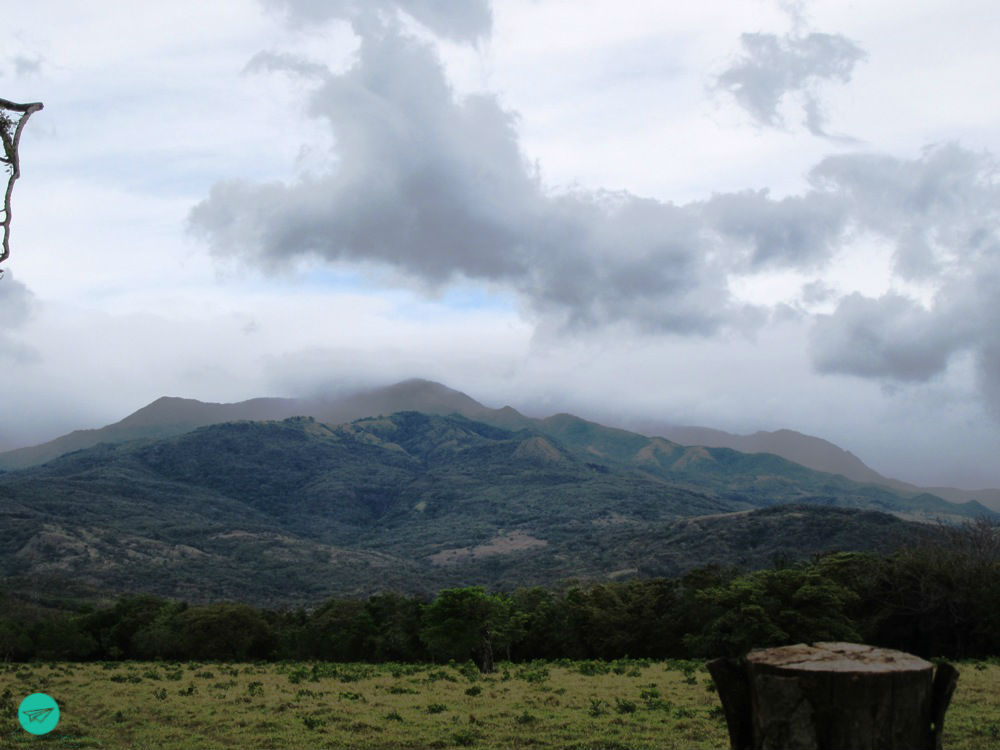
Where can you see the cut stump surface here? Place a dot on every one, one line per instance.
(833, 695)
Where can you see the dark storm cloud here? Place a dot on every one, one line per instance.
(465, 21)
(774, 67)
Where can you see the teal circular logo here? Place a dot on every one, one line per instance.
(38, 713)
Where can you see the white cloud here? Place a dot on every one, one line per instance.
(774, 69)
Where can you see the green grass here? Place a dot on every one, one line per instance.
(625, 704)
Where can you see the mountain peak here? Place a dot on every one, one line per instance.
(167, 408)
(415, 394)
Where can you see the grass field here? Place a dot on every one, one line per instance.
(622, 704)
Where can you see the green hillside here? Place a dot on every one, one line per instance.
(297, 510)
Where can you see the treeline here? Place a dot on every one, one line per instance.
(937, 599)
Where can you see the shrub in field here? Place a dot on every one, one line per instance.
(468, 670)
(533, 672)
(313, 722)
(436, 708)
(400, 690)
(597, 707)
(592, 668)
(465, 737)
(440, 674)
(624, 706)
(650, 695)
(345, 672)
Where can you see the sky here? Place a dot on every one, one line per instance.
(744, 215)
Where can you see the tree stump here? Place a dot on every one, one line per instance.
(833, 696)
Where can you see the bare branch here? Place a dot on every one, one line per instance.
(10, 141)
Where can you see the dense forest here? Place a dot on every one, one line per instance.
(936, 598)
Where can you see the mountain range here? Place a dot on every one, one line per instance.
(242, 501)
(173, 416)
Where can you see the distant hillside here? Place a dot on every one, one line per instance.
(164, 417)
(295, 510)
(809, 451)
(169, 416)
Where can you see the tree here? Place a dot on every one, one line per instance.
(15, 643)
(940, 597)
(234, 632)
(10, 136)
(545, 629)
(114, 628)
(397, 627)
(468, 623)
(772, 608)
(340, 630)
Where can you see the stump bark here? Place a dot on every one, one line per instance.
(833, 696)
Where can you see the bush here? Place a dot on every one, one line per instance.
(624, 706)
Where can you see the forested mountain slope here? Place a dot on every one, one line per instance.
(295, 510)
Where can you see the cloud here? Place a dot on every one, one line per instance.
(437, 187)
(17, 304)
(465, 21)
(275, 62)
(941, 213)
(24, 65)
(988, 372)
(424, 182)
(889, 337)
(797, 231)
(774, 68)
